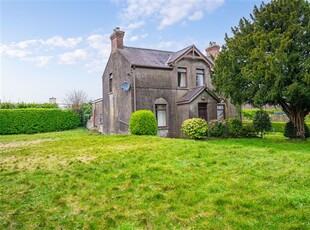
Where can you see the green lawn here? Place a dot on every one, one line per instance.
(79, 180)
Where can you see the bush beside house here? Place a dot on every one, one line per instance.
(17, 121)
(195, 128)
(143, 122)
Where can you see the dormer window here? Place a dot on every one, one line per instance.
(182, 77)
(200, 77)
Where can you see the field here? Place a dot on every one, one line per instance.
(81, 180)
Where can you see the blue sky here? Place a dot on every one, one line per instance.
(49, 48)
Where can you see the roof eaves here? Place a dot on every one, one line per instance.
(152, 67)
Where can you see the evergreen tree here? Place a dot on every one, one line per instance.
(266, 61)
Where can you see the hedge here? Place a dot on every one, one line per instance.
(277, 126)
(22, 105)
(16, 121)
(250, 113)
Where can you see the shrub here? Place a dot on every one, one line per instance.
(85, 113)
(235, 127)
(195, 128)
(218, 128)
(261, 122)
(143, 122)
(291, 132)
(278, 126)
(16, 121)
(248, 130)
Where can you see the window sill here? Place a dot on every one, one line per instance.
(182, 88)
(162, 127)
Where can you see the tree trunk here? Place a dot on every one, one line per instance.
(297, 117)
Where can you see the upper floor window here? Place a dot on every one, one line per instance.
(200, 77)
(110, 82)
(182, 77)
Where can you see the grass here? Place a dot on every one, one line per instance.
(79, 180)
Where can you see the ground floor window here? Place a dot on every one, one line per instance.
(161, 114)
(100, 118)
(220, 112)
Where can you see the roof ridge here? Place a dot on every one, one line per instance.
(166, 51)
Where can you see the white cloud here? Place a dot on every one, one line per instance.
(17, 53)
(3, 48)
(134, 25)
(137, 37)
(61, 42)
(73, 57)
(171, 45)
(196, 16)
(96, 66)
(168, 12)
(98, 41)
(26, 44)
(93, 50)
(39, 60)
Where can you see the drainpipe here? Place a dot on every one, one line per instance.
(134, 91)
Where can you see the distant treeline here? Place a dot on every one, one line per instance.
(23, 105)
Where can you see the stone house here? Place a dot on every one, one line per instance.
(174, 85)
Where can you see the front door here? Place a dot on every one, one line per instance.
(202, 111)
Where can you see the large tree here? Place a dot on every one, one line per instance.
(266, 61)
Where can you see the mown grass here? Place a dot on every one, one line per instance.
(75, 180)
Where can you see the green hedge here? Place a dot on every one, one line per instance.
(250, 113)
(22, 105)
(16, 121)
(277, 126)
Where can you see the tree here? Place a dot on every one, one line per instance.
(261, 122)
(266, 61)
(77, 100)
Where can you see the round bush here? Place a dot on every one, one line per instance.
(143, 122)
(194, 128)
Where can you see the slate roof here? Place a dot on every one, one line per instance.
(152, 58)
(147, 57)
(194, 93)
(177, 54)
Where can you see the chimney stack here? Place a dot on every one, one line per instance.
(213, 50)
(117, 39)
(52, 100)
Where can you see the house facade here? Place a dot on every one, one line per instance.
(174, 85)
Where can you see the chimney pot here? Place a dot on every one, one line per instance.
(213, 50)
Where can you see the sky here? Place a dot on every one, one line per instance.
(49, 48)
